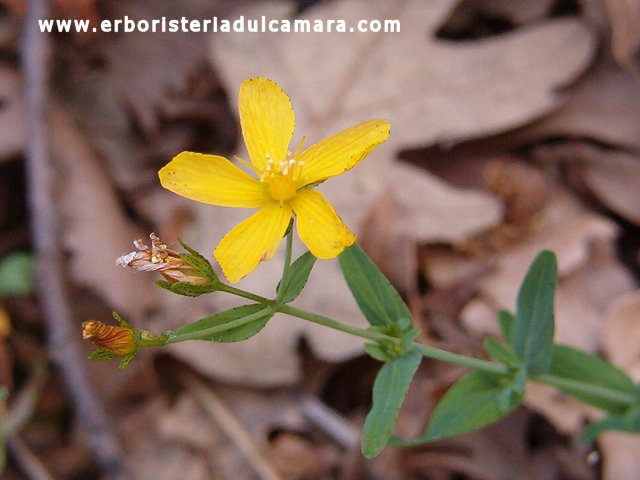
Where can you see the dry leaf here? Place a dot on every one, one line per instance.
(621, 455)
(516, 12)
(387, 245)
(572, 233)
(430, 91)
(625, 34)
(590, 278)
(605, 107)
(481, 455)
(154, 455)
(186, 424)
(298, 458)
(564, 412)
(168, 58)
(621, 332)
(620, 343)
(97, 230)
(614, 177)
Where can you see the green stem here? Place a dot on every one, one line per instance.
(587, 388)
(244, 294)
(154, 342)
(462, 360)
(471, 362)
(328, 322)
(287, 262)
(201, 334)
(425, 350)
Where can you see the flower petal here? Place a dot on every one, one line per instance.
(212, 179)
(342, 151)
(255, 239)
(319, 227)
(267, 120)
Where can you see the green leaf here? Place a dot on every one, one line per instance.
(629, 423)
(126, 360)
(380, 303)
(235, 334)
(199, 262)
(475, 401)
(377, 352)
(573, 364)
(121, 322)
(16, 275)
(185, 288)
(296, 279)
(531, 334)
(102, 355)
(505, 321)
(501, 352)
(389, 390)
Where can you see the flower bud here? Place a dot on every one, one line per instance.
(160, 258)
(119, 340)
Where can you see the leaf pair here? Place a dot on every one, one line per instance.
(386, 312)
(480, 398)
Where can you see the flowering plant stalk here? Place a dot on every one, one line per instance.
(284, 192)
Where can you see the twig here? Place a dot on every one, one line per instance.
(30, 465)
(52, 291)
(227, 421)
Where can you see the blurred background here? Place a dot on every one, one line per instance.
(515, 127)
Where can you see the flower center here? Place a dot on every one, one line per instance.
(282, 177)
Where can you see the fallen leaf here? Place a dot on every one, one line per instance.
(445, 97)
(157, 455)
(186, 424)
(500, 14)
(480, 455)
(387, 245)
(518, 11)
(564, 412)
(621, 332)
(612, 176)
(431, 91)
(96, 230)
(625, 35)
(582, 243)
(169, 58)
(605, 107)
(620, 343)
(621, 455)
(298, 458)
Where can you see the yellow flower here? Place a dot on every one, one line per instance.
(118, 340)
(284, 184)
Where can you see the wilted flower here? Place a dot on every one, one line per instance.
(160, 258)
(284, 183)
(118, 340)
